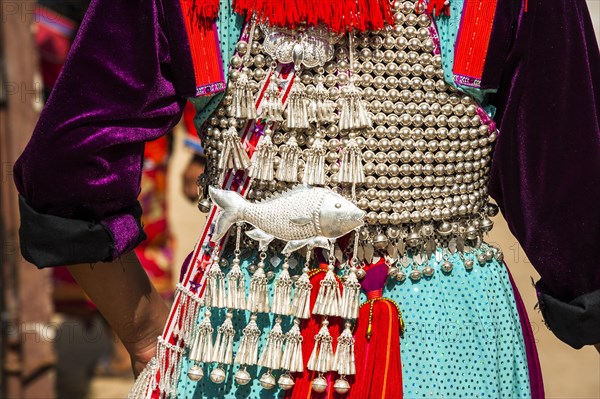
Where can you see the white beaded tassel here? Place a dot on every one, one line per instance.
(297, 107)
(314, 169)
(202, 348)
(258, 300)
(329, 296)
(214, 293)
(351, 167)
(236, 293)
(321, 358)
(282, 295)
(344, 362)
(263, 163)
(301, 301)
(223, 349)
(271, 355)
(247, 353)
(289, 155)
(233, 154)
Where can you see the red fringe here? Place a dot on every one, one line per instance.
(437, 8)
(203, 10)
(339, 15)
(378, 366)
(309, 328)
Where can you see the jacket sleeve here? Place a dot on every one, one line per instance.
(123, 84)
(546, 165)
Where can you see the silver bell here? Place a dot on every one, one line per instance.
(447, 266)
(469, 264)
(285, 382)
(499, 255)
(489, 254)
(471, 233)
(492, 210)
(195, 373)
(319, 385)
(486, 224)
(392, 271)
(413, 239)
(400, 276)
(341, 386)
(204, 205)
(380, 241)
(242, 376)
(217, 375)
(415, 275)
(481, 259)
(360, 274)
(428, 271)
(267, 381)
(252, 268)
(445, 229)
(427, 230)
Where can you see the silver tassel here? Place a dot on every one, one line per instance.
(272, 110)
(282, 296)
(243, 100)
(202, 348)
(236, 293)
(233, 155)
(314, 169)
(288, 164)
(301, 302)
(344, 362)
(263, 163)
(329, 296)
(258, 300)
(350, 296)
(143, 382)
(292, 355)
(354, 115)
(247, 353)
(223, 349)
(271, 355)
(214, 293)
(297, 110)
(351, 167)
(321, 358)
(321, 109)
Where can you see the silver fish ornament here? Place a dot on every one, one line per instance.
(302, 216)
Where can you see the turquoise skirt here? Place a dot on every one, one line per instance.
(462, 339)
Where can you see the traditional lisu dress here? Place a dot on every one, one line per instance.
(352, 147)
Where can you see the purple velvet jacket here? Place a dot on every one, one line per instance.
(130, 70)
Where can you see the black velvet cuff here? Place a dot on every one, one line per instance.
(48, 240)
(577, 323)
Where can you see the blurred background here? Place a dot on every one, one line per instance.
(53, 344)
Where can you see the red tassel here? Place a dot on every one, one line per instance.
(203, 10)
(377, 351)
(339, 15)
(309, 328)
(438, 7)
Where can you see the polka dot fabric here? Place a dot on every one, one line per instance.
(463, 337)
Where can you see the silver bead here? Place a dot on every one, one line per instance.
(471, 233)
(195, 373)
(242, 377)
(341, 386)
(252, 268)
(428, 271)
(285, 382)
(445, 229)
(267, 381)
(481, 259)
(469, 264)
(489, 254)
(400, 276)
(319, 385)
(447, 266)
(217, 375)
(415, 275)
(360, 274)
(392, 271)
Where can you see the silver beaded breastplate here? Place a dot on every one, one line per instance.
(368, 115)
